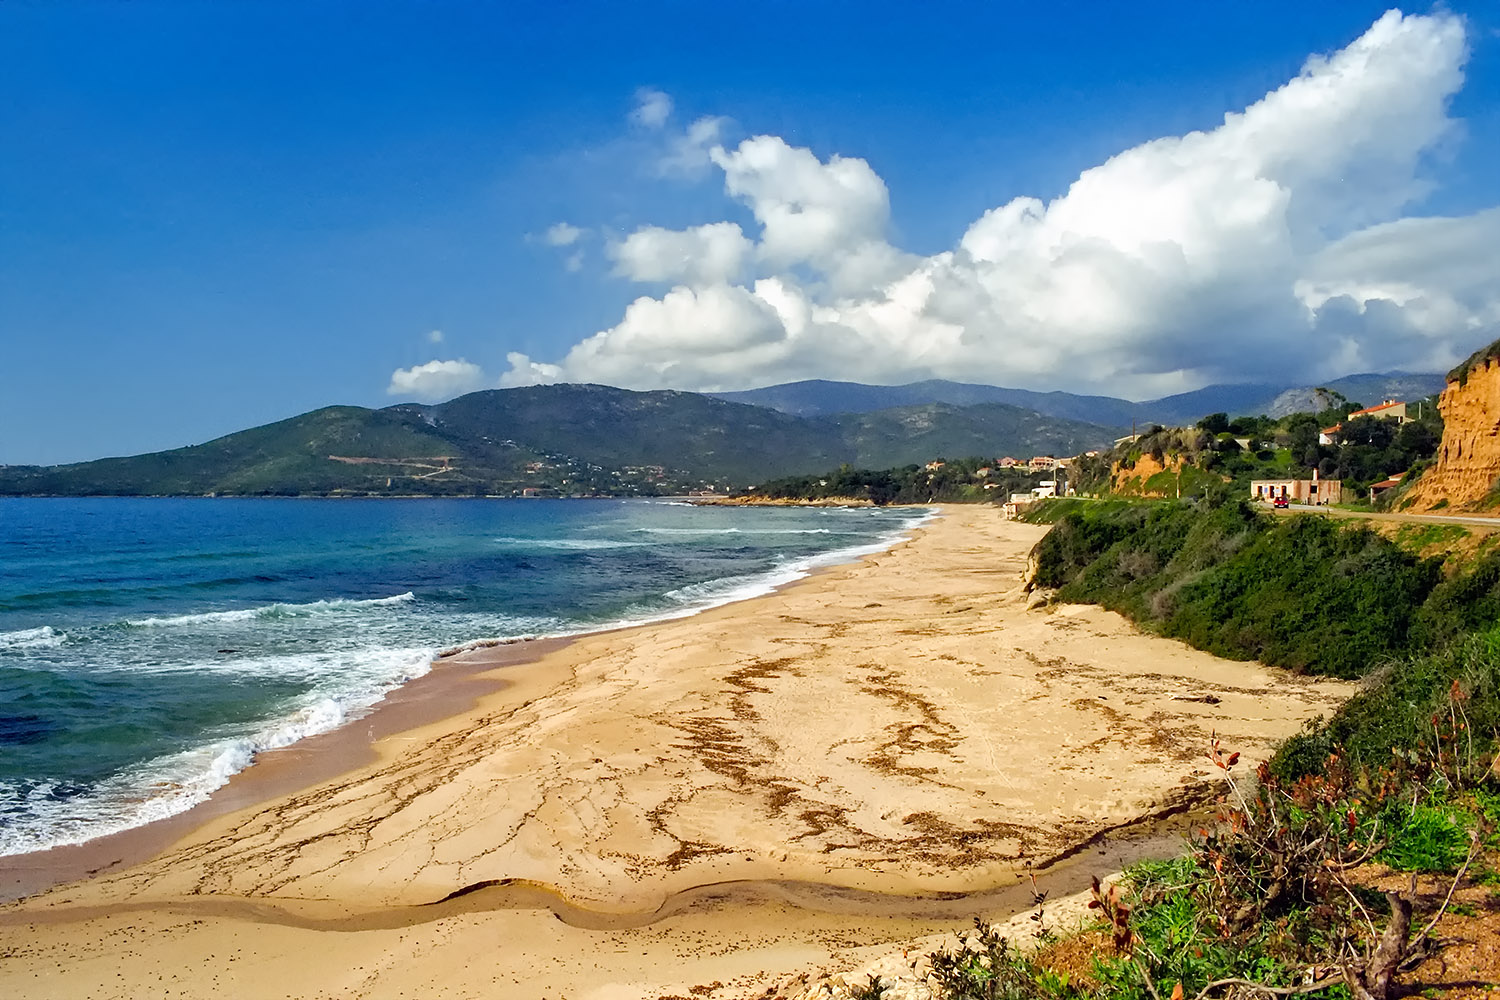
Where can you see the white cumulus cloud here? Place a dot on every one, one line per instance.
(690, 153)
(1273, 245)
(436, 380)
(652, 108)
(560, 234)
(716, 252)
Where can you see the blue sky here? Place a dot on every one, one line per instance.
(217, 215)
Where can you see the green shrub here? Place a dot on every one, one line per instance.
(875, 989)
(984, 966)
(1403, 710)
(1466, 603)
(1431, 837)
(1302, 593)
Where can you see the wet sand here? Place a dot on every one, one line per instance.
(454, 685)
(696, 807)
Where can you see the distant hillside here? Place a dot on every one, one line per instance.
(289, 456)
(585, 439)
(889, 438)
(822, 398)
(704, 437)
(817, 397)
(1190, 407)
(1371, 390)
(566, 439)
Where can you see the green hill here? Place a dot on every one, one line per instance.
(708, 438)
(889, 438)
(570, 439)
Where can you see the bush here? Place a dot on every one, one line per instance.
(1301, 593)
(1408, 709)
(1431, 837)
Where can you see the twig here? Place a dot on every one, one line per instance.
(1146, 978)
(1473, 853)
(1363, 912)
(1375, 848)
(1468, 730)
(1284, 991)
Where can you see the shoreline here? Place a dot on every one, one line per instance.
(700, 804)
(459, 676)
(455, 683)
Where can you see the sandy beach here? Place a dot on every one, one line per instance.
(700, 807)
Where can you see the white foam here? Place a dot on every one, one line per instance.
(45, 637)
(175, 783)
(690, 531)
(578, 544)
(353, 683)
(741, 531)
(698, 597)
(713, 593)
(273, 611)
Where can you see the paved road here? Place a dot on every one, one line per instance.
(1467, 520)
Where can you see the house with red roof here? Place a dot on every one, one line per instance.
(1385, 484)
(1391, 409)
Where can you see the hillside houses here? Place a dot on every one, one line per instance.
(1391, 409)
(1314, 492)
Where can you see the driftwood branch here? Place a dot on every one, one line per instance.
(1281, 991)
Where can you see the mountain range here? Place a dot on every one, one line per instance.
(557, 439)
(590, 439)
(822, 398)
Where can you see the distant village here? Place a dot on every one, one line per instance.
(1312, 490)
(1330, 491)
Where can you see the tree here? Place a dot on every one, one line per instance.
(1301, 430)
(1215, 423)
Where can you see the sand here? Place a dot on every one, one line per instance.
(695, 808)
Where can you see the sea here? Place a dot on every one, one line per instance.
(150, 648)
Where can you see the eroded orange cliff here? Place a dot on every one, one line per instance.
(1468, 461)
(1132, 479)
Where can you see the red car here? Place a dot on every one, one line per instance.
(1281, 503)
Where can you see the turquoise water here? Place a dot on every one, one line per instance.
(150, 647)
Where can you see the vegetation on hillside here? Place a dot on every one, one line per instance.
(1248, 448)
(554, 440)
(1280, 894)
(1460, 374)
(1303, 593)
(958, 481)
(1288, 889)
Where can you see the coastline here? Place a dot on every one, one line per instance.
(451, 685)
(869, 756)
(455, 683)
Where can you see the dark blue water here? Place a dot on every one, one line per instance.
(149, 647)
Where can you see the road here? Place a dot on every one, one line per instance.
(1466, 520)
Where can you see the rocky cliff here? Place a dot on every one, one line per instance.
(1468, 461)
(1132, 478)
(1136, 479)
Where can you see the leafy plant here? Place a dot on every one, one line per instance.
(875, 989)
(1428, 838)
(1302, 593)
(984, 966)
